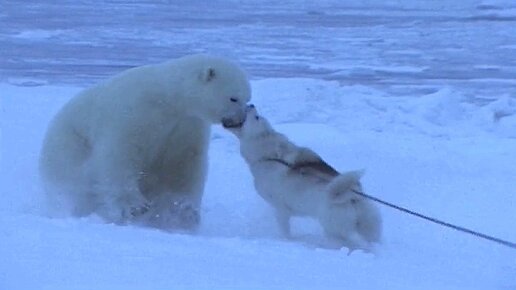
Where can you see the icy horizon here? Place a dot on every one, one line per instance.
(403, 47)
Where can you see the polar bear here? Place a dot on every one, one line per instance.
(134, 148)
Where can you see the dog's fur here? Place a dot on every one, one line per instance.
(297, 182)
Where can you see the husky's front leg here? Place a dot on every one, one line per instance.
(283, 218)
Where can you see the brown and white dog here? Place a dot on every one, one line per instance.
(297, 182)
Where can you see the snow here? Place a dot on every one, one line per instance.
(442, 146)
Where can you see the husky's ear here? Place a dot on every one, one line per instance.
(207, 74)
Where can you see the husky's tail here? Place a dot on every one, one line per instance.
(341, 187)
(343, 190)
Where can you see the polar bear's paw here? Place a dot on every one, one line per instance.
(171, 216)
(188, 216)
(124, 210)
(137, 211)
(133, 207)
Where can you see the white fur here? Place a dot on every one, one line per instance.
(140, 139)
(316, 191)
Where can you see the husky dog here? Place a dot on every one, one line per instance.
(297, 182)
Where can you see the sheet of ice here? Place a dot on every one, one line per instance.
(79, 42)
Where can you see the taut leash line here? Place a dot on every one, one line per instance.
(434, 220)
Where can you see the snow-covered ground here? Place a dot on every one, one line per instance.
(421, 96)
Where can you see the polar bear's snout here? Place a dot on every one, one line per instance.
(234, 119)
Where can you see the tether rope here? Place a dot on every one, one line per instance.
(434, 220)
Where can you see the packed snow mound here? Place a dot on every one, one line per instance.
(447, 155)
(443, 112)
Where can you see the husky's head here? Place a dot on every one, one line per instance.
(254, 124)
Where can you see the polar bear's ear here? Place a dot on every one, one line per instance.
(207, 74)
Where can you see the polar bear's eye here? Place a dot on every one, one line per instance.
(234, 100)
(257, 118)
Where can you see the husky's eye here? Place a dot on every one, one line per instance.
(233, 100)
(257, 118)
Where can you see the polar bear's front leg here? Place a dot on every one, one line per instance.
(186, 195)
(182, 173)
(117, 192)
(283, 218)
(121, 204)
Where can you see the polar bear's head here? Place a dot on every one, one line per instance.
(218, 88)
